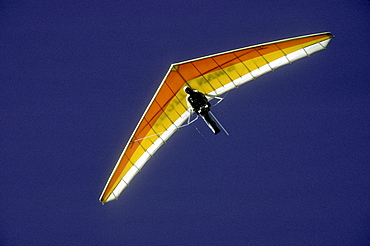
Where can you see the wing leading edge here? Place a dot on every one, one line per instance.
(213, 75)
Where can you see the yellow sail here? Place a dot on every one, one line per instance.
(212, 75)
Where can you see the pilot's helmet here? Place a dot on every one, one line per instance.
(188, 90)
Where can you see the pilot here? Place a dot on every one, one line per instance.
(197, 101)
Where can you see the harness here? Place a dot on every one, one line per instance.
(199, 102)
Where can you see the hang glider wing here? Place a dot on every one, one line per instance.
(212, 75)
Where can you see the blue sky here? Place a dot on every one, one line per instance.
(75, 79)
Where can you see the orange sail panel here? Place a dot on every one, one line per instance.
(212, 75)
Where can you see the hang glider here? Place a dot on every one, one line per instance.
(212, 75)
